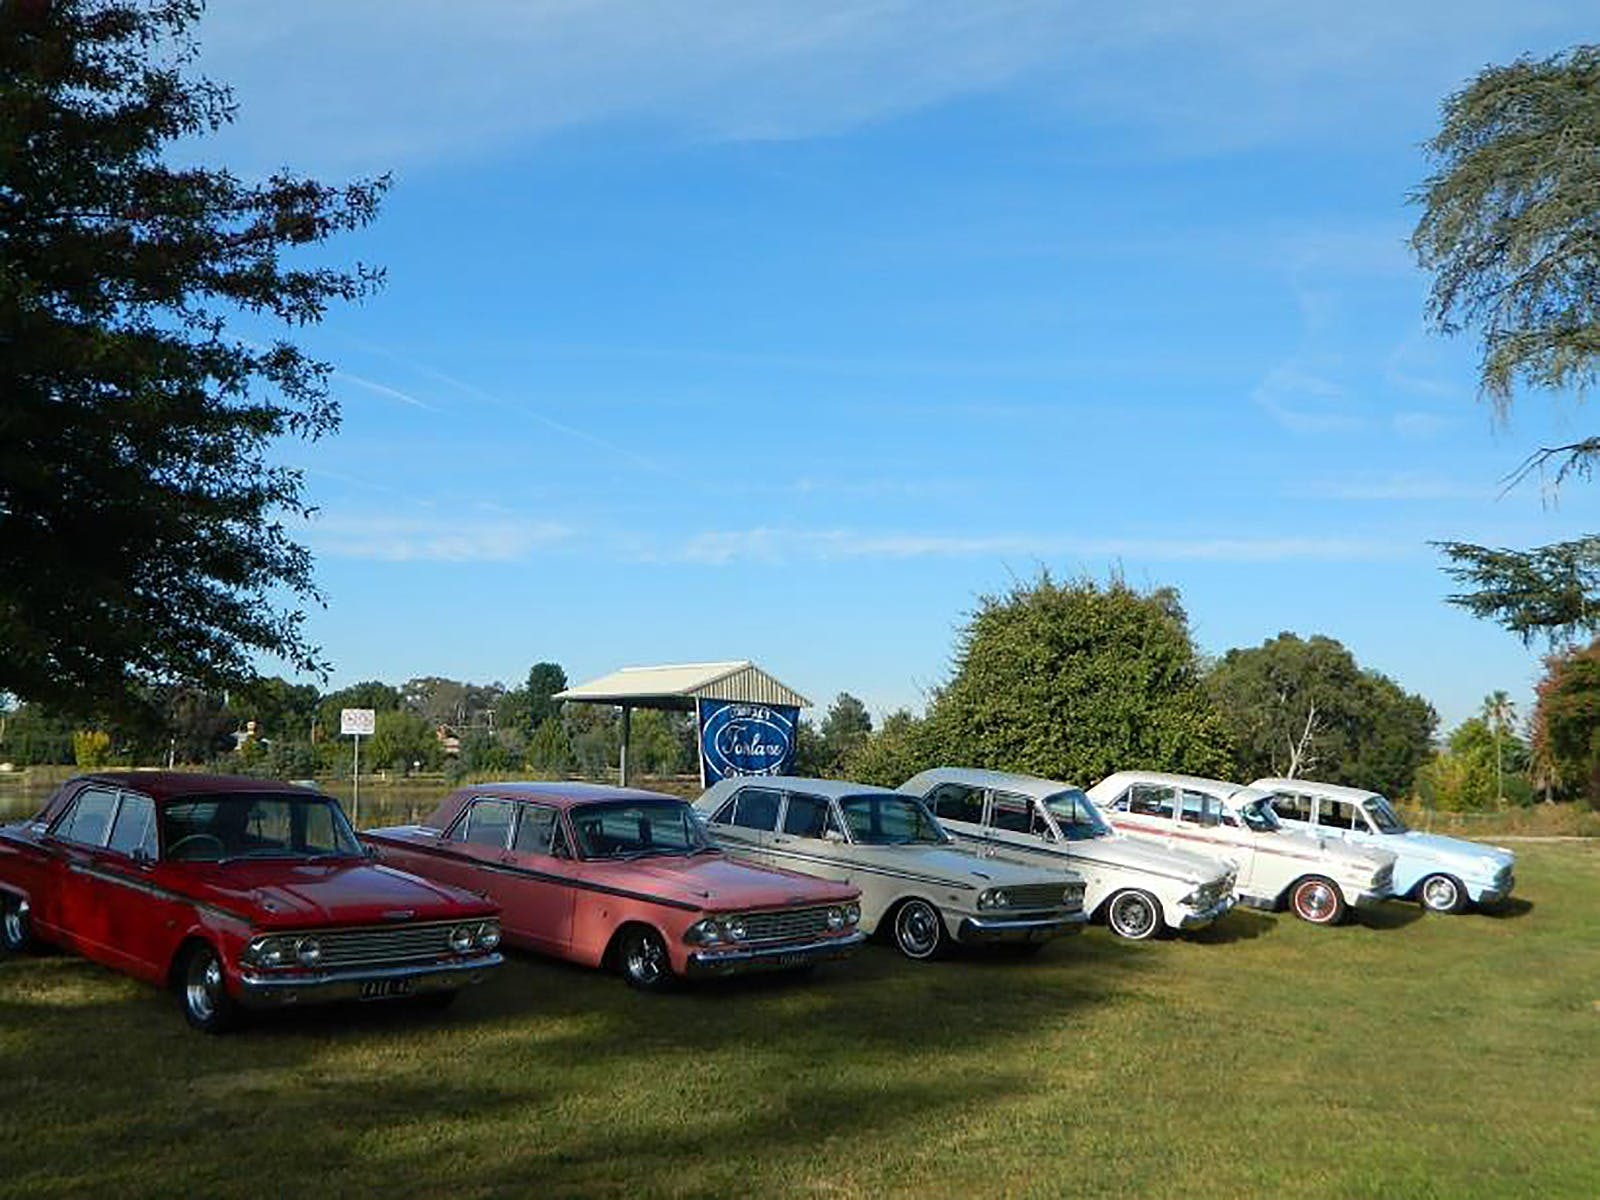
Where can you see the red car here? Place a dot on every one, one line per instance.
(239, 893)
(603, 875)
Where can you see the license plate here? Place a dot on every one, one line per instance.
(385, 989)
(793, 960)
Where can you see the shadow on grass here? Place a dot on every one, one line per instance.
(1388, 915)
(1509, 909)
(1239, 925)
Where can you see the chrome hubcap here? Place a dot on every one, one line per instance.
(1131, 917)
(917, 928)
(16, 923)
(1440, 894)
(646, 960)
(204, 985)
(1317, 901)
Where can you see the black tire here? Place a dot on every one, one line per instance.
(1442, 894)
(642, 958)
(1317, 901)
(16, 929)
(918, 931)
(1133, 915)
(204, 993)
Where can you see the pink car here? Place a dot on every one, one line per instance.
(612, 876)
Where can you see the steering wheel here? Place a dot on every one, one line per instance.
(172, 850)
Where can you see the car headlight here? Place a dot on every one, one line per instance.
(461, 939)
(852, 914)
(270, 952)
(488, 935)
(993, 898)
(836, 918)
(734, 928)
(309, 951)
(705, 932)
(1072, 895)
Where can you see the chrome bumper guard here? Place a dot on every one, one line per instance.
(260, 990)
(1021, 929)
(785, 956)
(1204, 916)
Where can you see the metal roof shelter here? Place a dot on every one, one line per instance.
(676, 687)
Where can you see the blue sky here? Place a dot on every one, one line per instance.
(786, 331)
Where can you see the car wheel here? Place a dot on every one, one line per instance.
(204, 992)
(919, 930)
(1317, 900)
(645, 965)
(16, 930)
(1442, 894)
(1134, 916)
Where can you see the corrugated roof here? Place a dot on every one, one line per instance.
(678, 685)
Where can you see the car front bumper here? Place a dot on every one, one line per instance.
(1204, 916)
(1020, 929)
(1370, 899)
(258, 989)
(739, 960)
(1492, 892)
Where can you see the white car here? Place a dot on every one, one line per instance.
(1137, 888)
(915, 881)
(1443, 874)
(1318, 880)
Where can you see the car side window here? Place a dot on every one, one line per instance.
(89, 817)
(756, 808)
(1151, 799)
(487, 823)
(808, 816)
(1200, 809)
(1292, 806)
(1336, 814)
(956, 802)
(135, 826)
(536, 828)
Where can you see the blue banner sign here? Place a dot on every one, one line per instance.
(745, 739)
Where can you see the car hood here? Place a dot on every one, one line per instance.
(1456, 850)
(957, 866)
(718, 883)
(1120, 850)
(276, 894)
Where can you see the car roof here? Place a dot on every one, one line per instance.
(1336, 791)
(162, 786)
(833, 788)
(1236, 792)
(559, 793)
(1031, 785)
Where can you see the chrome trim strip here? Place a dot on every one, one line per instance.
(150, 889)
(847, 865)
(257, 989)
(706, 962)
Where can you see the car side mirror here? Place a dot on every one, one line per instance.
(141, 856)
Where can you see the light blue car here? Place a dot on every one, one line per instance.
(1443, 874)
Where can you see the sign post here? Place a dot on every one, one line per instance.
(357, 722)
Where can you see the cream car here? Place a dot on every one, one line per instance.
(916, 883)
(1318, 880)
(1136, 888)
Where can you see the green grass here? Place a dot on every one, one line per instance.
(1404, 1057)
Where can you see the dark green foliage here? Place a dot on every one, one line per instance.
(371, 694)
(550, 749)
(1511, 231)
(1074, 681)
(1304, 707)
(141, 518)
(1566, 724)
(282, 711)
(527, 708)
(32, 735)
(894, 753)
(402, 740)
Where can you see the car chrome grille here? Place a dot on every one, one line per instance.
(1036, 895)
(1382, 877)
(371, 947)
(1210, 894)
(789, 925)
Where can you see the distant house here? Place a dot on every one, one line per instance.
(449, 740)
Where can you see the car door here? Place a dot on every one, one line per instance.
(809, 839)
(1147, 810)
(81, 903)
(536, 894)
(959, 807)
(1336, 818)
(145, 915)
(1015, 824)
(1294, 809)
(745, 823)
(476, 845)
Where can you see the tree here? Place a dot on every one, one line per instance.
(371, 693)
(142, 536)
(1467, 774)
(1075, 681)
(846, 726)
(1498, 712)
(892, 754)
(550, 749)
(401, 738)
(1304, 708)
(282, 711)
(1566, 724)
(1508, 230)
(452, 702)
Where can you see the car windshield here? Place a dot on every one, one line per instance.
(887, 820)
(635, 828)
(1383, 815)
(1258, 815)
(218, 828)
(1077, 816)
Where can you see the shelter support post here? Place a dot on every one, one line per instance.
(627, 724)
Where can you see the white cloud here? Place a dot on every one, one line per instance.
(367, 84)
(772, 545)
(1303, 401)
(469, 538)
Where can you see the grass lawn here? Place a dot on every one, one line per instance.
(1403, 1057)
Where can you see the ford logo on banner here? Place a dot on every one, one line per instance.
(745, 739)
